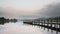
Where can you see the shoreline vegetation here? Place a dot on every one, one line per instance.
(4, 20)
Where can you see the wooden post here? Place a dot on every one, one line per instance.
(48, 22)
(51, 23)
(44, 24)
(33, 22)
(59, 25)
(56, 24)
(59, 21)
(41, 22)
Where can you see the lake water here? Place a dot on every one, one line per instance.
(20, 28)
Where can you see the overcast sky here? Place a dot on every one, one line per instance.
(26, 9)
(17, 8)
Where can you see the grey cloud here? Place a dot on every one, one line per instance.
(51, 10)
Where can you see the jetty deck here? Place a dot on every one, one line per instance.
(53, 24)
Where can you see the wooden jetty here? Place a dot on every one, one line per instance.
(47, 23)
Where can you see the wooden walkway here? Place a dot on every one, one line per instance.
(47, 23)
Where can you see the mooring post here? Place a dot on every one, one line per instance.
(36, 21)
(57, 26)
(47, 22)
(54, 23)
(57, 23)
(56, 20)
(33, 22)
(44, 24)
(51, 23)
(41, 22)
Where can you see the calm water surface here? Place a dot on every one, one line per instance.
(20, 28)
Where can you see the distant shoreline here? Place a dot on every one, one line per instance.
(4, 20)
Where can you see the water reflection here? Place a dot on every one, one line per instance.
(4, 20)
(20, 28)
(57, 31)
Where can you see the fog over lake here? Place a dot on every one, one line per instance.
(20, 10)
